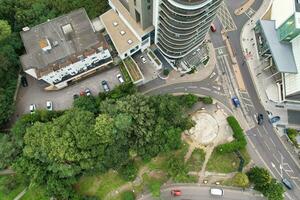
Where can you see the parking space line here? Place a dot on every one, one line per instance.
(273, 142)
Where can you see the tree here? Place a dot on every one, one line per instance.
(240, 180)
(129, 171)
(274, 191)
(206, 100)
(189, 100)
(260, 177)
(87, 103)
(128, 195)
(5, 30)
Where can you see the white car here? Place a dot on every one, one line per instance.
(120, 78)
(32, 108)
(88, 92)
(49, 105)
(216, 192)
(143, 59)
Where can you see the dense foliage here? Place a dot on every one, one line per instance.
(264, 183)
(239, 138)
(292, 134)
(58, 149)
(16, 14)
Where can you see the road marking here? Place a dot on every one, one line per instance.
(267, 146)
(250, 105)
(192, 87)
(177, 88)
(275, 157)
(259, 133)
(273, 142)
(216, 87)
(273, 165)
(265, 130)
(204, 88)
(247, 99)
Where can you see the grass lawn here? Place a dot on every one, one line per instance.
(35, 193)
(196, 160)
(226, 163)
(99, 185)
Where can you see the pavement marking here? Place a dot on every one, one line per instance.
(217, 88)
(274, 166)
(250, 105)
(266, 131)
(225, 18)
(275, 157)
(259, 133)
(273, 142)
(267, 146)
(204, 88)
(177, 88)
(192, 87)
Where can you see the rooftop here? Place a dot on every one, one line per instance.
(56, 39)
(282, 52)
(122, 37)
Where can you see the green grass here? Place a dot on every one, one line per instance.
(196, 160)
(132, 69)
(226, 163)
(99, 185)
(9, 195)
(35, 193)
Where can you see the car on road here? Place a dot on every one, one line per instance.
(236, 102)
(82, 93)
(88, 92)
(176, 192)
(120, 78)
(216, 191)
(274, 119)
(143, 59)
(287, 183)
(49, 105)
(105, 86)
(260, 119)
(213, 28)
(32, 108)
(24, 81)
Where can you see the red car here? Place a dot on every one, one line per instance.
(82, 93)
(176, 192)
(213, 28)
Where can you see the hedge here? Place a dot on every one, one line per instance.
(238, 134)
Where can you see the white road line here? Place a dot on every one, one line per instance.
(273, 165)
(267, 146)
(248, 100)
(275, 157)
(192, 87)
(177, 88)
(204, 88)
(273, 142)
(265, 130)
(250, 105)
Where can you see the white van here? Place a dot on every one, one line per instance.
(216, 192)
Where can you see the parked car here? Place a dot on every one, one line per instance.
(32, 108)
(143, 59)
(274, 119)
(88, 92)
(216, 191)
(287, 183)
(176, 192)
(75, 96)
(236, 102)
(260, 119)
(213, 28)
(49, 105)
(24, 81)
(82, 93)
(120, 78)
(105, 86)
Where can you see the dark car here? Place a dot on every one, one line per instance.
(287, 183)
(213, 28)
(105, 86)
(274, 119)
(260, 119)
(236, 102)
(24, 81)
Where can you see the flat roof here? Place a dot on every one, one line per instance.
(282, 52)
(120, 34)
(67, 35)
(282, 10)
(125, 13)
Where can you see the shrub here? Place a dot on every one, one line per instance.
(189, 100)
(166, 72)
(240, 180)
(292, 134)
(206, 100)
(238, 134)
(154, 187)
(127, 195)
(129, 171)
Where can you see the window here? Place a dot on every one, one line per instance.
(149, 7)
(148, 1)
(135, 2)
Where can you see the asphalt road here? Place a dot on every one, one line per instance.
(202, 192)
(266, 148)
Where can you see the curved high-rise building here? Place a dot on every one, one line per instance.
(181, 25)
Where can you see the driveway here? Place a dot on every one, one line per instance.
(62, 99)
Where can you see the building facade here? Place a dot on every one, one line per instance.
(181, 25)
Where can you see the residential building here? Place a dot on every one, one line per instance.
(63, 49)
(177, 27)
(278, 37)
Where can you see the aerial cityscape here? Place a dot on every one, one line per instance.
(150, 99)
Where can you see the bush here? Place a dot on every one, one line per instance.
(292, 134)
(238, 134)
(128, 195)
(240, 180)
(189, 100)
(166, 72)
(129, 171)
(206, 100)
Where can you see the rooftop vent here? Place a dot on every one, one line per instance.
(129, 41)
(115, 23)
(122, 32)
(67, 29)
(45, 44)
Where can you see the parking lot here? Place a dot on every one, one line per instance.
(62, 99)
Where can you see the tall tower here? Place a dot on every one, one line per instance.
(141, 11)
(181, 25)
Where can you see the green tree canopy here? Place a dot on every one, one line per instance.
(5, 30)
